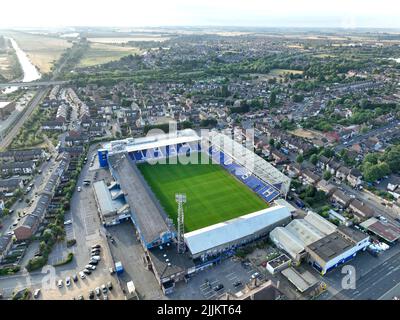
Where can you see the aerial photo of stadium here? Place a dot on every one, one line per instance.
(229, 194)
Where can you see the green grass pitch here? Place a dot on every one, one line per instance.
(213, 195)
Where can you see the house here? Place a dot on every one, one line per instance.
(360, 210)
(26, 167)
(76, 138)
(10, 185)
(54, 125)
(323, 162)
(74, 152)
(278, 157)
(5, 245)
(342, 172)
(294, 169)
(22, 155)
(341, 199)
(310, 177)
(332, 166)
(27, 227)
(355, 177)
(326, 187)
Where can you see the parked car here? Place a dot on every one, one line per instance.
(75, 278)
(36, 293)
(80, 297)
(96, 246)
(68, 281)
(87, 271)
(218, 287)
(91, 294)
(67, 222)
(98, 292)
(82, 275)
(110, 285)
(93, 262)
(96, 258)
(60, 283)
(90, 267)
(104, 288)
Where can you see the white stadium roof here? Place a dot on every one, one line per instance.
(252, 162)
(218, 234)
(152, 141)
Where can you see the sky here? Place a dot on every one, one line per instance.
(254, 13)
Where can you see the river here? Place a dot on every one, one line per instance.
(30, 71)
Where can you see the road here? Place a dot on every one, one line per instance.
(29, 110)
(361, 137)
(376, 283)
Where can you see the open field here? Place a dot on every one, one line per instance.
(119, 40)
(42, 50)
(100, 53)
(281, 72)
(213, 195)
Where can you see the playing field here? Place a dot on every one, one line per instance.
(213, 195)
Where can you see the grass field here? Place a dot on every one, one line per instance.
(42, 50)
(100, 53)
(213, 195)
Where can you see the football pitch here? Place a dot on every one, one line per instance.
(213, 195)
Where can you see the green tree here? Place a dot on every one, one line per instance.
(299, 159)
(327, 175)
(314, 159)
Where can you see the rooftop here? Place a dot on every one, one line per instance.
(385, 230)
(218, 234)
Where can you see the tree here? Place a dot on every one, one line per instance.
(314, 159)
(271, 142)
(278, 145)
(327, 175)
(272, 99)
(299, 159)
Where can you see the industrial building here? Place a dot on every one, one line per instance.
(321, 243)
(384, 230)
(336, 248)
(110, 203)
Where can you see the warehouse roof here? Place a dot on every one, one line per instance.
(330, 246)
(148, 216)
(385, 230)
(287, 241)
(319, 222)
(218, 234)
(103, 197)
